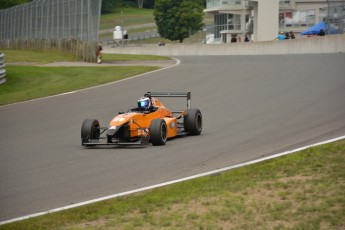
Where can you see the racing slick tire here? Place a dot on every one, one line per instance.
(158, 132)
(192, 121)
(89, 130)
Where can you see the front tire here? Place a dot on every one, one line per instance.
(89, 130)
(192, 121)
(158, 132)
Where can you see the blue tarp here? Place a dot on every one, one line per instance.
(315, 30)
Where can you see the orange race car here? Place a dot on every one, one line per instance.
(151, 122)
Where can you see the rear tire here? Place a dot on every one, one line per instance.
(89, 130)
(158, 132)
(192, 121)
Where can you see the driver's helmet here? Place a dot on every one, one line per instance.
(144, 103)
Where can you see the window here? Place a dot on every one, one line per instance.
(213, 3)
(296, 19)
(220, 23)
(226, 22)
(284, 3)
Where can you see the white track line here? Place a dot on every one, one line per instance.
(170, 182)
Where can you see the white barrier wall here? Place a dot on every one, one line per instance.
(326, 44)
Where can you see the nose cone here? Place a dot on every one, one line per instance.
(119, 120)
(123, 118)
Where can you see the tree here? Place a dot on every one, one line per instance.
(107, 6)
(9, 3)
(140, 3)
(176, 19)
(149, 4)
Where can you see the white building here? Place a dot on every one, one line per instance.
(262, 20)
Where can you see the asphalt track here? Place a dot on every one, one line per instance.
(253, 106)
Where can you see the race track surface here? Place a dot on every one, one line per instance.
(252, 106)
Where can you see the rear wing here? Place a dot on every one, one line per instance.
(172, 94)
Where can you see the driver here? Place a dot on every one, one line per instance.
(144, 104)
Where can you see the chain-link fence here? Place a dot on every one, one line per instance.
(52, 19)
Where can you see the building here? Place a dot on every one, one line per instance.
(262, 20)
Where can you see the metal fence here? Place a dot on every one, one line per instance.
(52, 19)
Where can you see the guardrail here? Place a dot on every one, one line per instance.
(2, 68)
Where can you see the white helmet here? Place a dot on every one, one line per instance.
(144, 103)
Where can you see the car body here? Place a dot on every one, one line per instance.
(137, 127)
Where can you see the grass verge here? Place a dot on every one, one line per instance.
(30, 57)
(36, 57)
(304, 190)
(30, 82)
(129, 17)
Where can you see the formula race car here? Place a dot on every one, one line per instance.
(151, 122)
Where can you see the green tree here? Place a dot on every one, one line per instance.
(9, 3)
(176, 19)
(107, 6)
(149, 4)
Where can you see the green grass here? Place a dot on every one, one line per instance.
(129, 17)
(29, 57)
(30, 82)
(304, 190)
(36, 57)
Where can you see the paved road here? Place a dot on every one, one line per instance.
(253, 106)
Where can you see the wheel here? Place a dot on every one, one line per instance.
(192, 121)
(89, 130)
(158, 132)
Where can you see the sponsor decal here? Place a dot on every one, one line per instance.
(143, 132)
(119, 119)
(172, 125)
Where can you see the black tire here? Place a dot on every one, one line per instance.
(192, 121)
(89, 130)
(158, 132)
